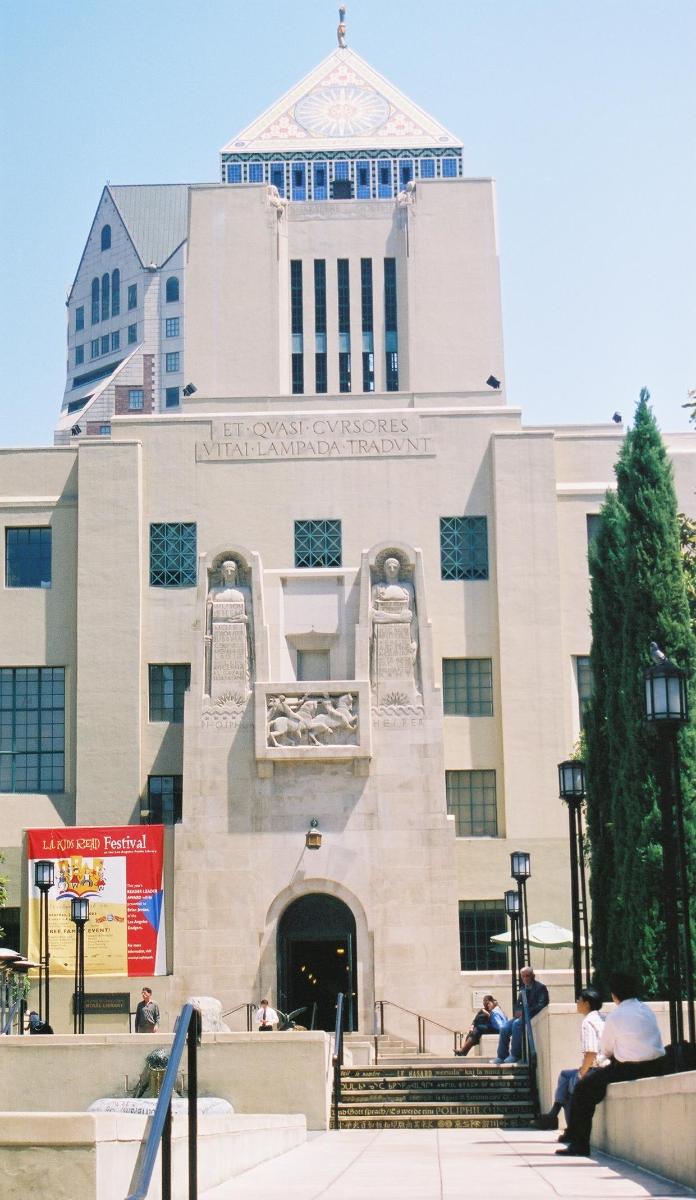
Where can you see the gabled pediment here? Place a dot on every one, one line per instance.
(343, 104)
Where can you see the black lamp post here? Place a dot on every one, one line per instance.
(79, 913)
(43, 880)
(667, 709)
(571, 788)
(521, 871)
(512, 908)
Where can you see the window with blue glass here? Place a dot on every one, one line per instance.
(132, 295)
(105, 343)
(585, 685)
(343, 276)
(171, 397)
(464, 548)
(317, 543)
(94, 348)
(132, 334)
(105, 430)
(255, 172)
(405, 172)
(298, 178)
(136, 399)
(234, 172)
(105, 297)
(391, 332)
(320, 361)
(362, 180)
(278, 177)
(115, 292)
(171, 327)
(79, 318)
(32, 729)
(116, 340)
(162, 806)
(172, 361)
(384, 180)
(449, 168)
(368, 340)
(95, 301)
(106, 237)
(28, 557)
(341, 188)
(173, 554)
(319, 181)
(79, 355)
(427, 168)
(297, 325)
(169, 683)
(171, 290)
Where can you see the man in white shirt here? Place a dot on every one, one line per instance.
(266, 1017)
(632, 1042)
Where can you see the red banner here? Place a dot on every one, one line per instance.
(120, 869)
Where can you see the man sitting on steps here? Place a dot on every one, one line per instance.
(537, 998)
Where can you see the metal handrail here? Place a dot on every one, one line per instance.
(250, 1010)
(531, 1055)
(422, 1021)
(187, 1031)
(337, 1058)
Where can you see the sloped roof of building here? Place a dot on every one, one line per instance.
(155, 216)
(343, 104)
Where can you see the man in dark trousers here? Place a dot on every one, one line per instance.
(537, 998)
(147, 1014)
(632, 1042)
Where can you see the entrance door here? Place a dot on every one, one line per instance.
(316, 961)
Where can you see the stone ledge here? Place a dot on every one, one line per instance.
(651, 1122)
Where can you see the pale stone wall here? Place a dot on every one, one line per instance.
(651, 1122)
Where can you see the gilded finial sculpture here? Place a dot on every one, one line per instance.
(341, 31)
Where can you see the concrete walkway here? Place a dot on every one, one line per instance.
(445, 1164)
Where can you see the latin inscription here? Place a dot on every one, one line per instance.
(274, 439)
(229, 651)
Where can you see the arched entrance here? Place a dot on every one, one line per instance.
(316, 960)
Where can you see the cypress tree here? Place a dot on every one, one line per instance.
(638, 596)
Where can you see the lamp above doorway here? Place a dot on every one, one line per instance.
(312, 836)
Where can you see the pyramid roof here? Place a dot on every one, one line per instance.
(343, 104)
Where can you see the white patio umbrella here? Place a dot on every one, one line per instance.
(543, 934)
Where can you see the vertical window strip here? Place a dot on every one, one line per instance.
(95, 301)
(320, 360)
(105, 297)
(391, 343)
(297, 326)
(343, 325)
(368, 342)
(583, 676)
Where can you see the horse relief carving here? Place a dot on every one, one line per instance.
(312, 719)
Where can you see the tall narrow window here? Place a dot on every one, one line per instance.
(234, 173)
(427, 168)
(168, 686)
(384, 180)
(297, 326)
(79, 318)
(172, 290)
(320, 370)
(163, 803)
(115, 292)
(278, 177)
(32, 729)
(255, 172)
(362, 179)
(368, 336)
(319, 188)
(405, 172)
(171, 361)
(479, 921)
(471, 800)
(391, 335)
(449, 168)
(583, 676)
(95, 301)
(343, 326)
(132, 295)
(106, 237)
(299, 181)
(105, 290)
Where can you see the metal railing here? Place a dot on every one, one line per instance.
(530, 1053)
(337, 1058)
(457, 1035)
(187, 1032)
(250, 1010)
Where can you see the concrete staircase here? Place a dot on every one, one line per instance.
(425, 1092)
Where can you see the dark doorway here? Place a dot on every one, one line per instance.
(316, 961)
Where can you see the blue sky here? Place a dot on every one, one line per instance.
(582, 110)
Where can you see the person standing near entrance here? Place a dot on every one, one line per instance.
(266, 1017)
(147, 1014)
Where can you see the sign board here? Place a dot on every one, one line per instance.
(106, 1002)
(120, 869)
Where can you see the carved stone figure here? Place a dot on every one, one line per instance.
(341, 31)
(394, 642)
(311, 720)
(228, 641)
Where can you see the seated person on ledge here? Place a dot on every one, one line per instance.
(589, 1003)
(489, 1019)
(537, 998)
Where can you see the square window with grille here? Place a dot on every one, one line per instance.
(479, 921)
(168, 686)
(171, 327)
(136, 399)
(583, 678)
(32, 729)
(317, 543)
(467, 686)
(28, 557)
(172, 362)
(234, 173)
(173, 554)
(162, 805)
(471, 798)
(464, 547)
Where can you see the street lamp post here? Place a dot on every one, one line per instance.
(43, 880)
(571, 788)
(521, 871)
(512, 908)
(667, 709)
(79, 913)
